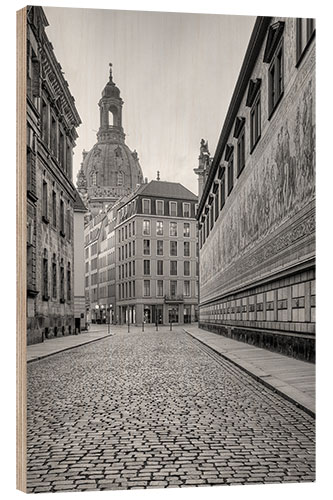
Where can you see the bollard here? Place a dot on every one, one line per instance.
(170, 326)
(128, 327)
(156, 326)
(143, 326)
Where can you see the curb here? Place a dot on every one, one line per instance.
(68, 348)
(257, 378)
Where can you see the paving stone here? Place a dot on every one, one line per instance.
(131, 423)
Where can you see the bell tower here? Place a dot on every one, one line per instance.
(110, 105)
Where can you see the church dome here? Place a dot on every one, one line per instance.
(110, 169)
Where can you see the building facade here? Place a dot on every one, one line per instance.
(100, 267)
(257, 210)
(156, 255)
(52, 120)
(110, 169)
(79, 265)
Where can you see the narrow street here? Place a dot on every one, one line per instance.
(152, 409)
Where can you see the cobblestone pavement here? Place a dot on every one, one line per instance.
(143, 410)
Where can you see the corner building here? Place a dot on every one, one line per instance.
(52, 120)
(156, 255)
(257, 210)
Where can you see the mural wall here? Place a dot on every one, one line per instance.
(277, 187)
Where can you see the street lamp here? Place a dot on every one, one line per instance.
(96, 312)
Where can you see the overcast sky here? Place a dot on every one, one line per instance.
(176, 74)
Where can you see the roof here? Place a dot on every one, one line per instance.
(256, 41)
(165, 189)
(79, 206)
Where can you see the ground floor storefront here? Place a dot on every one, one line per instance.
(160, 314)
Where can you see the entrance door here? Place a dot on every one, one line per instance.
(147, 314)
(77, 325)
(187, 314)
(173, 314)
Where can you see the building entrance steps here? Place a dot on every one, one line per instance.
(289, 377)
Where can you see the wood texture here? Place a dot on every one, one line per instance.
(21, 190)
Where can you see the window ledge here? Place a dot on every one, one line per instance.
(45, 219)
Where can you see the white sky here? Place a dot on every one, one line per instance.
(176, 73)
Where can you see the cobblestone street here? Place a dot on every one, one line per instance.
(152, 409)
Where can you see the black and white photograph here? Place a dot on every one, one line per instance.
(169, 240)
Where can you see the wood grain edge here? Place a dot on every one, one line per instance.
(21, 190)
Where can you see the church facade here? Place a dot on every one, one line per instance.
(256, 213)
(110, 169)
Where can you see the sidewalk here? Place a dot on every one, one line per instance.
(289, 377)
(58, 344)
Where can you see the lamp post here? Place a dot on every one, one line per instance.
(110, 318)
(96, 312)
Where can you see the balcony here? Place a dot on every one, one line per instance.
(173, 299)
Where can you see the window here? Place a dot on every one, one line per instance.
(62, 281)
(173, 288)
(187, 289)
(146, 206)
(125, 232)
(133, 227)
(45, 122)
(173, 267)
(173, 229)
(159, 291)
(173, 208)
(146, 247)
(62, 218)
(146, 227)
(54, 277)
(216, 204)
(159, 228)
(159, 207)
(160, 267)
(173, 248)
(186, 209)
(146, 267)
(159, 247)
(146, 288)
(230, 173)
(275, 79)
(305, 28)
(133, 248)
(61, 150)
(186, 248)
(122, 234)
(222, 188)
(133, 289)
(69, 284)
(255, 122)
(186, 229)
(44, 202)
(133, 266)
(54, 209)
(241, 151)
(186, 268)
(130, 269)
(45, 275)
